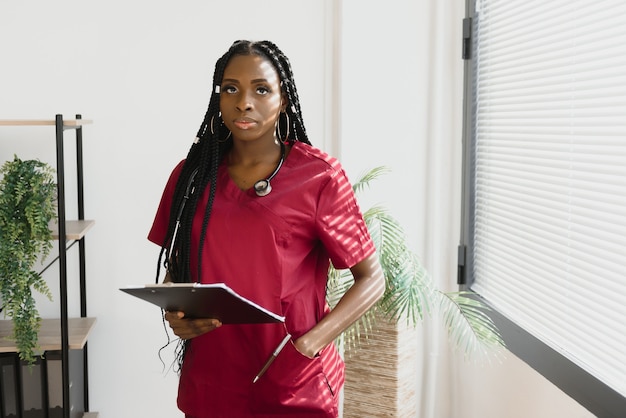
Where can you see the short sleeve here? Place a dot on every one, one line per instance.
(340, 223)
(158, 232)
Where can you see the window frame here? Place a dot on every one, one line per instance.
(593, 394)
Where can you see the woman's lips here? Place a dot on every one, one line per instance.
(244, 123)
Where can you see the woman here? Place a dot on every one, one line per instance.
(254, 205)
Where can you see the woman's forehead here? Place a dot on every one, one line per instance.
(251, 67)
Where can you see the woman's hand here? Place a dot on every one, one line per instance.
(368, 287)
(187, 329)
(302, 349)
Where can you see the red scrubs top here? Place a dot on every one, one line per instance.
(275, 251)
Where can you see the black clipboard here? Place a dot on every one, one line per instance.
(204, 301)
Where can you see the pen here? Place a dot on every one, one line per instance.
(271, 359)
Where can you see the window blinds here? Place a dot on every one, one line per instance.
(549, 242)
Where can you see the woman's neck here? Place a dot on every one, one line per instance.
(252, 153)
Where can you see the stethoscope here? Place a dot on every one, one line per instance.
(263, 187)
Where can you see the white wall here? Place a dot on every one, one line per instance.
(142, 71)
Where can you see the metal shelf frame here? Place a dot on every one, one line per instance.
(67, 239)
(62, 234)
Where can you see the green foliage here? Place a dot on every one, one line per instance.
(27, 204)
(468, 323)
(410, 293)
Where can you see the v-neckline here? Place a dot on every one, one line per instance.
(231, 186)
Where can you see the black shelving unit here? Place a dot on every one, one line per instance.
(69, 347)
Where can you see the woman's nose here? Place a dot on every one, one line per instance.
(244, 103)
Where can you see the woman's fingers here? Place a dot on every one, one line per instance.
(190, 328)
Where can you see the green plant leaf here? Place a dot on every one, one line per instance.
(469, 326)
(365, 179)
(27, 204)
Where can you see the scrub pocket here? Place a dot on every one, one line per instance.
(294, 384)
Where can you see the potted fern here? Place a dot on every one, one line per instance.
(410, 295)
(27, 205)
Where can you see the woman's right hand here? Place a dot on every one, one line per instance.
(187, 329)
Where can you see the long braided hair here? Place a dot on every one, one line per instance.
(212, 143)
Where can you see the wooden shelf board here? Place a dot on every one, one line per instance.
(73, 229)
(44, 122)
(50, 334)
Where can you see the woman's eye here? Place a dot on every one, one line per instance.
(262, 90)
(229, 89)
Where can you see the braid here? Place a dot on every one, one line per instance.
(283, 66)
(203, 160)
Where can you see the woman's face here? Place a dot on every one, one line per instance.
(251, 98)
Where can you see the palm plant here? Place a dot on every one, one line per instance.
(410, 292)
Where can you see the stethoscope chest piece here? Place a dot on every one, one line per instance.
(262, 187)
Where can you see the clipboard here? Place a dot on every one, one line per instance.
(198, 300)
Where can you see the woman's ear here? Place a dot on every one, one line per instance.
(284, 101)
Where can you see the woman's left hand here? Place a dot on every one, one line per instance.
(302, 349)
(368, 287)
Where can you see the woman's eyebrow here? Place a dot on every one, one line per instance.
(256, 80)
